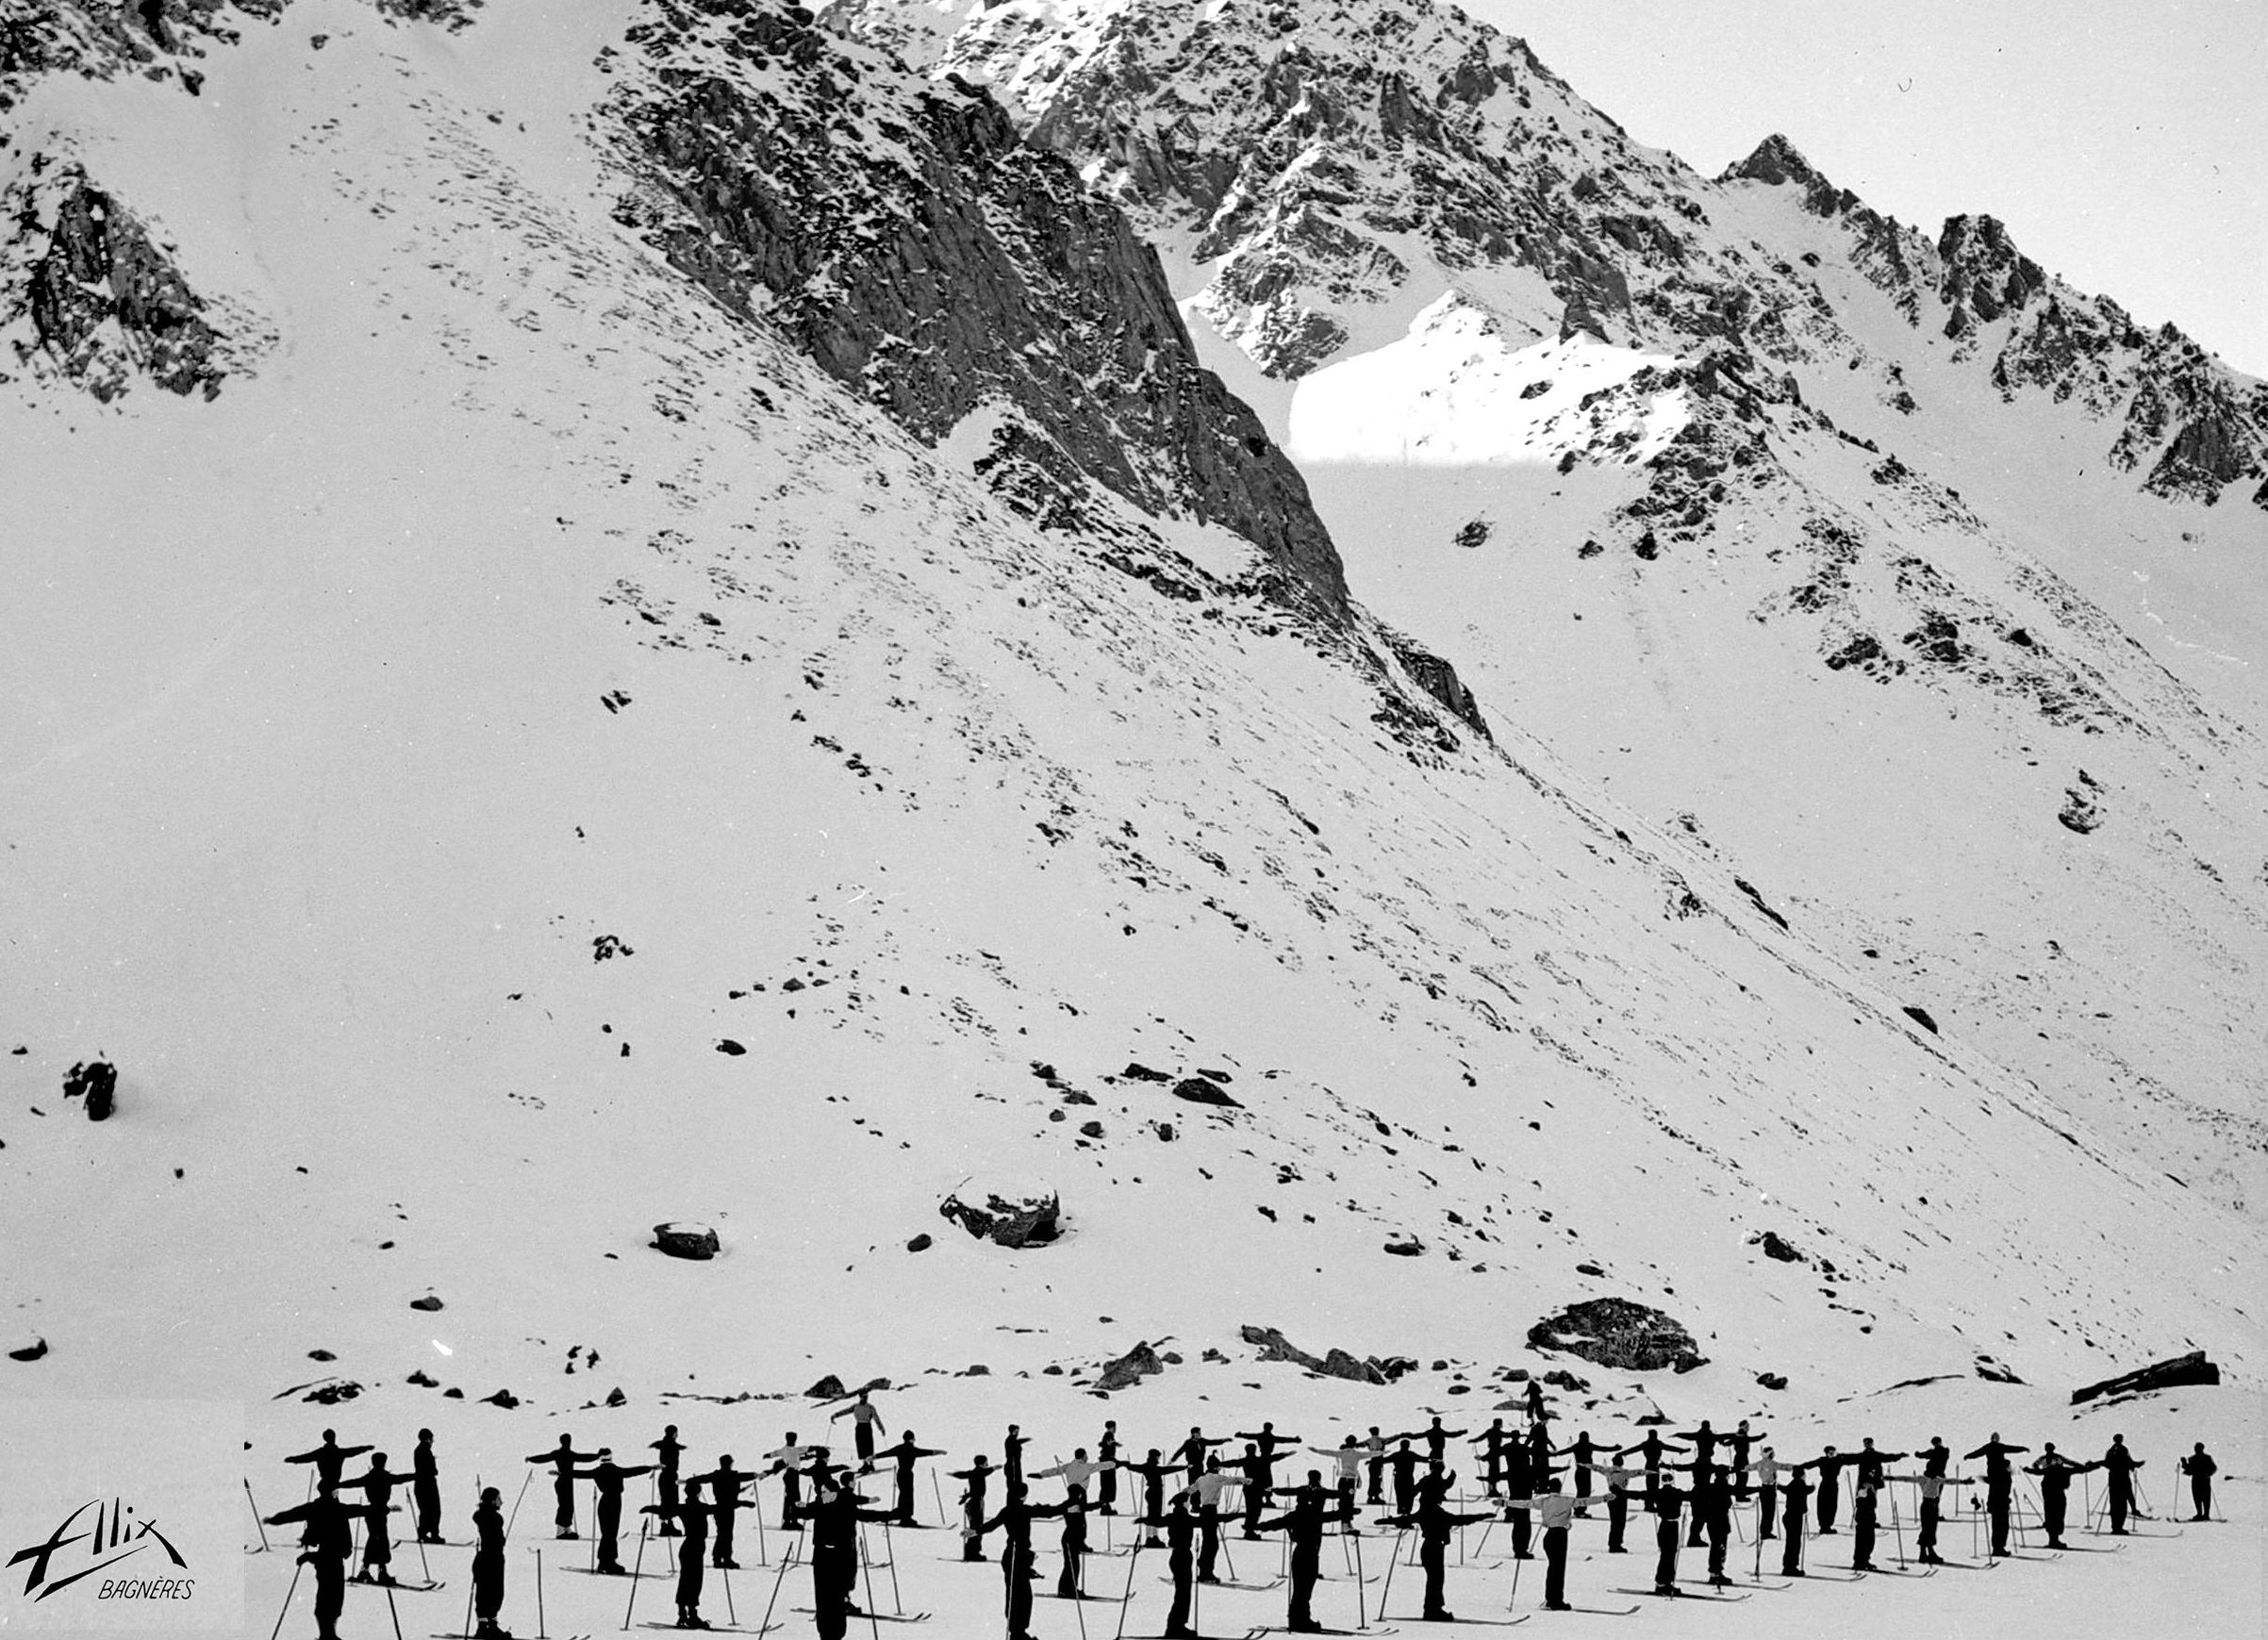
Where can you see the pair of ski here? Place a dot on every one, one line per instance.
(857, 1618)
(398, 1588)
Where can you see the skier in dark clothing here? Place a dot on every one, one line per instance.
(1862, 1518)
(1492, 1442)
(1436, 1441)
(2122, 1464)
(669, 1449)
(1303, 1526)
(865, 1423)
(425, 1489)
(1434, 1524)
(563, 1459)
(972, 1480)
(1270, 1443)
(1830, 1464)
(378, 1486)
(1742, 1441)
(1375, 1449)
(834, 1513)
(606, 1479)
(1556, 1512)
(1017, 1565)
(1191, 1453)
(1668, 1501)
(2200, 1468)
(1106, 1454)
(1253, 1473)
(1868, 1466)
(329, 1458)
(1153, 1472)
(724, 1483)
(694, 1523)
(904, 1456)
(2055, 1472)
(1703, 1443)
(327, 1545)
(2000, 1486)
(1404, 1462)
(1935, 1457)
(1180, 1528)
(487, 1565)
(1012, 1459)
(1068, 1582)
(1651, 1448)
(1795, 1514)
(1712, 1503)
(1523, 1475)
(787, 1462)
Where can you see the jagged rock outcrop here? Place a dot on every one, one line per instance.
(1274, 1345)
(94, 298)
(2170, 1374)
(1012, 1215)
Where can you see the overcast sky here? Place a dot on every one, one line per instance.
(2125, 145)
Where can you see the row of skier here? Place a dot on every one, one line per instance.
(1517, 1473)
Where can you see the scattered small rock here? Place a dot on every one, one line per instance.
(502, 1398)
(1164, 1132)
(1921, 1017)
(453, 1393)
(1405, 1246)
(922, 1243)
(424, 1380)
(1130, 1368)
(607, 946)
(1775, 1246)
(428, 1303)
(30, 1351)
(616, 1397)
(320, 1355)
(827, 1388)
(1140, 1072)
(1588, 1269)
(1007, 1216)
(1092, 1130)
(1773, 1379)
(726, 1045)
(331, 1393)
(98, 1080)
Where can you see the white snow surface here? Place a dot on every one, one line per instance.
(521, 599)
(1457, 392)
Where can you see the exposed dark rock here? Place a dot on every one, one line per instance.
(423, 1380)
(1589, 1269)
(922, 1243)
(333, 1391)
(608, 946)
(320, 1355)
(2080, 812)
(1758, 900)
(1020, 1218)
(502, 1398)
(1405, 1246)
(105, 302)
(1130, 1368)
(1618, 1333)
(1560, 1378)
(2169, 1374)
(1773, 1379)
(1995, 1371)
(616, 1397)
(1439, 679)
(828, 1388)
(1274, 1345)
(1921, 1017)
(1139, 1073)
(30, 1351)
(428, 1304)
(1163, 1131)
(96, 1080)
(686, 1240)
(1775, 1246)
(726, 1045)
(1202, 1090)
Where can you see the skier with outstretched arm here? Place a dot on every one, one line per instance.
(378, 1486)
(563, 1459)
(2000, 1486)
(327, 1545)
(2200, 1468)
(1554, 1512)
(973, 1480)
(1303, 1525)
(606, 1478)
(865, 1423)
(903, 1457)
(668, 1451)
(1433, 1525)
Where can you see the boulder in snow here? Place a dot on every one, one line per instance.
(1130, 1368)
(97, 1081)
(1618, 1333)
(2190, 1368)
(686, 1240)
(1008, 1214)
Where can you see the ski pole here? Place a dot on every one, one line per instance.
(393, 1611)
(1513, 1600)
(778, 1578)
(897, 1606)
(1134, 1558)
(1392, 1556)
(731, 1615)
(1362, 1617)
(1079, 1605)
(256, 1522)
(1897, 1535)
(636, 1566)
(938, 1491)
(515, 1515)
(756, 1505)
(540, 1630)
(297, 1568)
(866, 1568)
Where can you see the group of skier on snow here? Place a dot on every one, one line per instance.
(1693, 1481)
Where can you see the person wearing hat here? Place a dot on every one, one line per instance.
(327, 1545)
(693, 1522)
(973, 1480)
(666, 1452)
(2199, 1467)
(1303, 1526)
(724, 1483)
(563, 1459)
(606, 1479)
(487, 1565)
(834, 1513)
(425, 1489)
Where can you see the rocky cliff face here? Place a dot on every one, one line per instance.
(87, 293)
(1332, 162)
(918, 248)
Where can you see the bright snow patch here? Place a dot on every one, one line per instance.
(1454, 393)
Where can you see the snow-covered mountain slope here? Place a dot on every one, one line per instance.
(533, 753)
(1829, 542)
